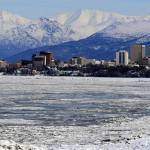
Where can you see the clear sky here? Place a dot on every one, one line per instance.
(47, 8)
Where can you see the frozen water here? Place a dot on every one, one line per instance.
(74, 113)
(71, 101)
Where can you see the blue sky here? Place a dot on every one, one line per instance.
(47, 8)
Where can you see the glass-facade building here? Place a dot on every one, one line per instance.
(122, 57)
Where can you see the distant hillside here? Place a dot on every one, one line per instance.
(97, 46)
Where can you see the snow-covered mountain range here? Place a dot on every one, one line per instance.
(87, 22)
(18, 33)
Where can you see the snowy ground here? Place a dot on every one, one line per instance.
(74, 113)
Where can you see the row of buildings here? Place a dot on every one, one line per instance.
(38, 63)
(139, 54)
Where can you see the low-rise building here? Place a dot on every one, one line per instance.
(146, 61)
(14, 65)
(26, 63)
(81, 61)
(3, 64)
(110, 63)
(75, 61)
(38, 61)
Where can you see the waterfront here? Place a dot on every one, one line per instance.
(58, 111)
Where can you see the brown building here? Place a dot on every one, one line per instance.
(138, 52)
(42, 59)
(49, 58)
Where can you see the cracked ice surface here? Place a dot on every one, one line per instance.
(74, 113)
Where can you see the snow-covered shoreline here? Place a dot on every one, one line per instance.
(137, 144)
(121, 135)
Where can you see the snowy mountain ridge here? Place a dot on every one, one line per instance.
(80, 24)
(88, 22)
(18, 33)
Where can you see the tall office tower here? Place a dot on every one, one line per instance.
(147, 53)
(49, 57)
(138, 52)
(122, 57)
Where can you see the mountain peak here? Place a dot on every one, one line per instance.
(90, 20)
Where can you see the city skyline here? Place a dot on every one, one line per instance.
(48, 8)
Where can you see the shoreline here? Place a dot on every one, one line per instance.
(74, 76)
(128, 136)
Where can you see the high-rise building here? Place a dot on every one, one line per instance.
(147, 53)
(138, 52)
(42, 59)
(49, 57)
(122, 57)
